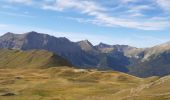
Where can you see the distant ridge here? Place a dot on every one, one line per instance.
(141, 62)
(30, 59)
(33, 40)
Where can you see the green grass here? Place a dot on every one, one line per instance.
(30, 59)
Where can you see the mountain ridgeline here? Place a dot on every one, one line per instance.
(136, 61)
(30, 59)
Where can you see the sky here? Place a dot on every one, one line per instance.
(139, 23)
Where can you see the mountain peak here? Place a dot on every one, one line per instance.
(32, 33)
(8, 34)
(85, 42)
(86, 45)
(103, 45)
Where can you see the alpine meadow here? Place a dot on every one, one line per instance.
(85, 50)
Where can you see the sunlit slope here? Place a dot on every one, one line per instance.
(30, 59)
(65, 83)
(156, 89)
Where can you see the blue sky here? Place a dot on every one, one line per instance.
(140, 23)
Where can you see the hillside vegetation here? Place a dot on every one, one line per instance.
(63, 83)
(42, 75)
(30, 59)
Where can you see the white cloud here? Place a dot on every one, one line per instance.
(84, 6)
(128, 1)
(16, 14)
(130, 17)
(165, 4)
(28, 2)
(101, 17)
(139, 8)
(128, 23)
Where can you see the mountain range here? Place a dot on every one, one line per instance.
(142, 62)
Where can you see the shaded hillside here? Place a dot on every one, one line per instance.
(157, 64)
(30, 59)
(106, 57)
(152, 61)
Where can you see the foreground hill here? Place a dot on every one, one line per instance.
(79, 84)
(30, 59)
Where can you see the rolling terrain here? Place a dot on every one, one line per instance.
(42, 75)
(63, 83)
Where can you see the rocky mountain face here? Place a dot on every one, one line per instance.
(153, 61)
(107, 56)
(140, 62)
(34, 40)
(81, 54)
(87, 46)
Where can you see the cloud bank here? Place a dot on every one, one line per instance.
(135, 14)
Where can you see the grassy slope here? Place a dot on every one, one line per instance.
(65, 83)
(73, 84)
(29, 59)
